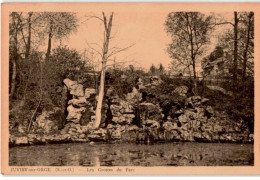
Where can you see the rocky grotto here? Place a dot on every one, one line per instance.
(136, 117)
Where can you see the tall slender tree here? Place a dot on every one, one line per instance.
(107, 32)
(248, 40)
(190, 33)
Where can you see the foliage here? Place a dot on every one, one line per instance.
(190, 33)
(59, 24)
(123, 81)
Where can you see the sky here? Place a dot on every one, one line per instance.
(143, 31)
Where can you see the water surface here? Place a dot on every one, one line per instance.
(169, 154)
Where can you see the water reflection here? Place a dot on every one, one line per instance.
(172, 154)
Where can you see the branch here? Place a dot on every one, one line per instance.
(120, 50)
(222, 23)
(92, 17)
(94, 49)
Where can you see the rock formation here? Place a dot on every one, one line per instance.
(135, 118)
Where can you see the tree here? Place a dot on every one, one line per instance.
(248, 22)
(28, 43)
(235, 51)
(161, 69)
(106, 55)
(15, 26)
(58, 25)
(239, 43)
(107, 26)
(152, 69)
(217, 53)
(190, 33)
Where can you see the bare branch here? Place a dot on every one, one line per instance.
(92, 17)
(94, 49)
(120, 50)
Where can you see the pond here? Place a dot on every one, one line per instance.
(167, 154)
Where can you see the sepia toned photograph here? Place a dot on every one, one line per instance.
(140, 87)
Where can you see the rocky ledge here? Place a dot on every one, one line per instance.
(192, 121)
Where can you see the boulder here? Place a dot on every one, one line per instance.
(140, 84)
(21, 128)
(116, 131)
(150, 111)
(210, 111)
(74, 88)
(128, 118)
(132, 128)
(115, 110)
(21, 140)
(151, 124)
(170, 126)
(183, 118)
(251, 138)
(181, 90)
(69, 83)
(123, 119)
(46, 121)
(81, 102)
(125, 107)
(89, 92)
(204, 100)
(74, 114)
(98, 135)
(134, 97)
(148, 106)
(187, 116)
(172, 135)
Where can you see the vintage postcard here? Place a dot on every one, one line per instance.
(130, 88)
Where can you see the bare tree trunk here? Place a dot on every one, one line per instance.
(235, 52)
(103, 70)
(193, 60)
(247, 45)
(28, 44)
(14, 59)
(49, 44)
(194, 77)
(235, 85)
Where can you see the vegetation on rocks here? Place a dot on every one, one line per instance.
(55, 96)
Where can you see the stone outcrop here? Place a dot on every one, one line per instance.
(191, 120)
(49, 120)
(74, 88)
